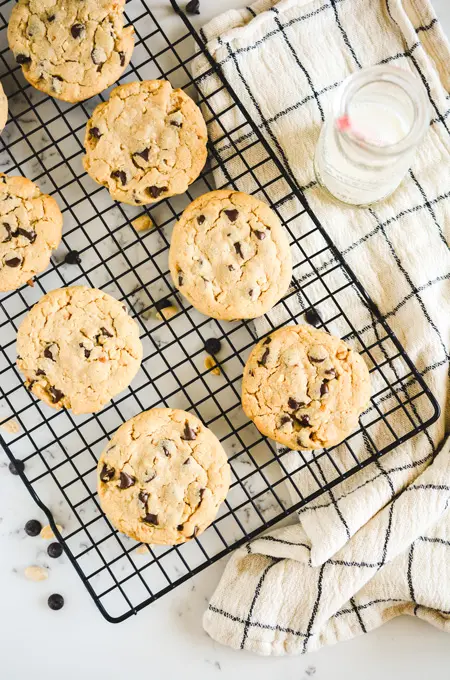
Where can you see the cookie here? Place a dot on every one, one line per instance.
(69, 49)
(147, 142)
(305, 388)
(78, 348)
(30, 228)
(163, 477)
(230, 256)
(3, 108)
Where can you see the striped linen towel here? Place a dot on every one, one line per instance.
(377, 545)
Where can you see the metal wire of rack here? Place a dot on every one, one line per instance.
(43, 141)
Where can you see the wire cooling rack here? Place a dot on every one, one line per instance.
(43, 141)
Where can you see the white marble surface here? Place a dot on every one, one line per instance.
(166, 640)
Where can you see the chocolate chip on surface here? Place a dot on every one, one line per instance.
(55, 602)
(143, 154)
(72, 257)
(120, 175)
(312, 317)
(95, 133)
(54, 550)
(143, 497)
(22, 59)
(193, 7)
(13, 261)
(33, 527)
(55, 394)
(50, 351)
(201, 219)
(265, 356)
(294, 404)
(304, 421)
(324, 389)
(260, 235)
(16, 466)
(155, 192)
(238, 249)
(213, 346)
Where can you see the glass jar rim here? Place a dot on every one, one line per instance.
(404, 79)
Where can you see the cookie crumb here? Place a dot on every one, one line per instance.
(11, 426)
(166, 313)
(211, 365)
(35, 573)
(47, 532)
(142, 223)
(30, 283)
(142, 550)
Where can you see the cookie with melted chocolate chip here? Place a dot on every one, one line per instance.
(78, 348)
(147, 142)
(69, 49)
(163, 477)
(30, 229)
(230, 256)
(305, 388)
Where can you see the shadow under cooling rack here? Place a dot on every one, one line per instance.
(43, 140)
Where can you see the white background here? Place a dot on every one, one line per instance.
(166, 640)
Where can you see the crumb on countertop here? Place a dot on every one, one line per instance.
(142, 223)
(210, 364)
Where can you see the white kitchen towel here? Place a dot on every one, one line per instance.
(285, 60)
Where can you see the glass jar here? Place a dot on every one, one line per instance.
(368, 141)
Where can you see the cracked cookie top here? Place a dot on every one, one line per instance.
(230, 256)
(78, 348)
(30, 229)
(147, 142)
(162, 477)
(305, 388)
(70, 49)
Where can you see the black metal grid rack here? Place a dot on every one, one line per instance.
(43, 141)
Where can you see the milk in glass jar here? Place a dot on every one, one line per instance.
(368, 141)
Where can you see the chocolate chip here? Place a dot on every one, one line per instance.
(187, 461)
(316, 360)
(55, 601)
(251, 372)
(194, 533)
(237, 247)
(201, 494)
(180, 280)
(106, 332)
(263, 360)
(16, 466)
(150, 518)
(107, 473)
(120, 175)
(294, 404)
(201, 219)
(30, 235)
(260, 235)
(40, 372)
(56, 394)
(97, 57)
(13, 262)
(54, 550)
(72, 257)
(126, 480)
(22, 59)
(166, 451)
(155, 192)
(313, 318)
(267, 341)
(304, 421)
(51, 17)
(95, 133)
(87, 353)
(232, 215)
(250, 292)
(143, 154)
(33, 527)
(180, 527)
(143, 497)
(285, 419)
(122, 58)
(48, 352)
(76, 30)
(188, 433)
(331, 372)
(193, 7)
(231, 268)
(324, 389)
(212, 346)
(163, 304)
(8, 233)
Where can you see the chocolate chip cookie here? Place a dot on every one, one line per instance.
(162, 477)
(305, 388)
(146, 143)
(30, 228)
(78, 348)
(69, 49)
(230, 256)
(3, 108)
